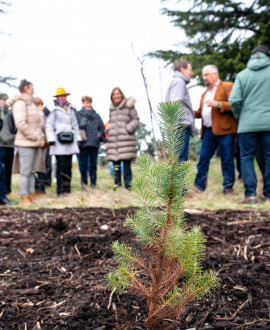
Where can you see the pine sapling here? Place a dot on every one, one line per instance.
(168, 273)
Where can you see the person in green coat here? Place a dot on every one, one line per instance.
(250, 103)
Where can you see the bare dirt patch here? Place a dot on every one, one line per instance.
(53, 262)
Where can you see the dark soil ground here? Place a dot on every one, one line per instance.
(53, 262)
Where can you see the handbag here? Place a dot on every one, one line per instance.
(83, 134)
(65, 137)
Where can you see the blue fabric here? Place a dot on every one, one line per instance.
(2, 173)
(210, 142)
(248, 143)
(185, 135)
(127, 173)
(88, 156)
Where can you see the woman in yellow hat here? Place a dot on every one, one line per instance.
(63, 135)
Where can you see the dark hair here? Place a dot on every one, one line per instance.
(117, 89)
(261, 49)
(178, 64)
(23, 84)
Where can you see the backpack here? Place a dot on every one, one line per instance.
(11, 123)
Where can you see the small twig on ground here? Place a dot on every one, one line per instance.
(77, 250)
(2, 312)
(110, 299)
(234, 314)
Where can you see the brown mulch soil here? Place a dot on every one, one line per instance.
(53, 262)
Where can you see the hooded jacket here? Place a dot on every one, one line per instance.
(178, 91)
(27, 122)
(250, 100)
(123, 123)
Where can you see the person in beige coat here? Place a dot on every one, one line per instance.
(121, 146)
(29, 138)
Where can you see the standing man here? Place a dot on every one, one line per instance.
(250, 102)
(218, 129)
(178, 91)
(6, 152)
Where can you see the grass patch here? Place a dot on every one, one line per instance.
(104, 196)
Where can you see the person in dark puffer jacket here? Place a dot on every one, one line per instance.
(92, 132)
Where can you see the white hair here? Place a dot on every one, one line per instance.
(210, 67)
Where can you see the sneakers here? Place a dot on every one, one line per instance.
(228, 192)
(265, 198)
(249, 200)
(6, 201)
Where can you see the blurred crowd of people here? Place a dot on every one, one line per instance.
(30, 134)
(234, 118)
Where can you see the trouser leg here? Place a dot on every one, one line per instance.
(2, 173)
(84, 164)
(226, 144)
(265, 140)
(247, 143)
(93, 152)
(184, 136)
(8, 168)
(127, 173)
(117, 173)
(208, 147)
(28, 162)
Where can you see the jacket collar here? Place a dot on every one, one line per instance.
(178, 74)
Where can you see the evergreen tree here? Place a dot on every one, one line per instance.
(220, 32)
(168, 274)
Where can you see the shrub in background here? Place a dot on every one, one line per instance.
(168, 273)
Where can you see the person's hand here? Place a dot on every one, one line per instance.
(211, 103)
(51, 143)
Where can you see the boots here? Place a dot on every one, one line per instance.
(26, 200)
(32, 196)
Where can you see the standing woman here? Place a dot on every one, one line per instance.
(123, 123)
(92, 132)
(29, 138)
(63, 135)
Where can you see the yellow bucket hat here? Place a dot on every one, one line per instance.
(61, 92)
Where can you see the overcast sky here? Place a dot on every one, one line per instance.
(84, 46)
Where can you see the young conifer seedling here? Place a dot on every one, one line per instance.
(169, 274)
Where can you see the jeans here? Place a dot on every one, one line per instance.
(28, 163)
(126, 170)
(185, 133)
(210, 142)
(63, 173)
(6, 159)
(88, 157)
(248, 143)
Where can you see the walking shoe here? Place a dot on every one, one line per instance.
(249, 200)
(26, 200)
(11, 195)
(84, 188)
(32, 196)
(5, 201)
(40, 193)
(228, 192)
(265, 198)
